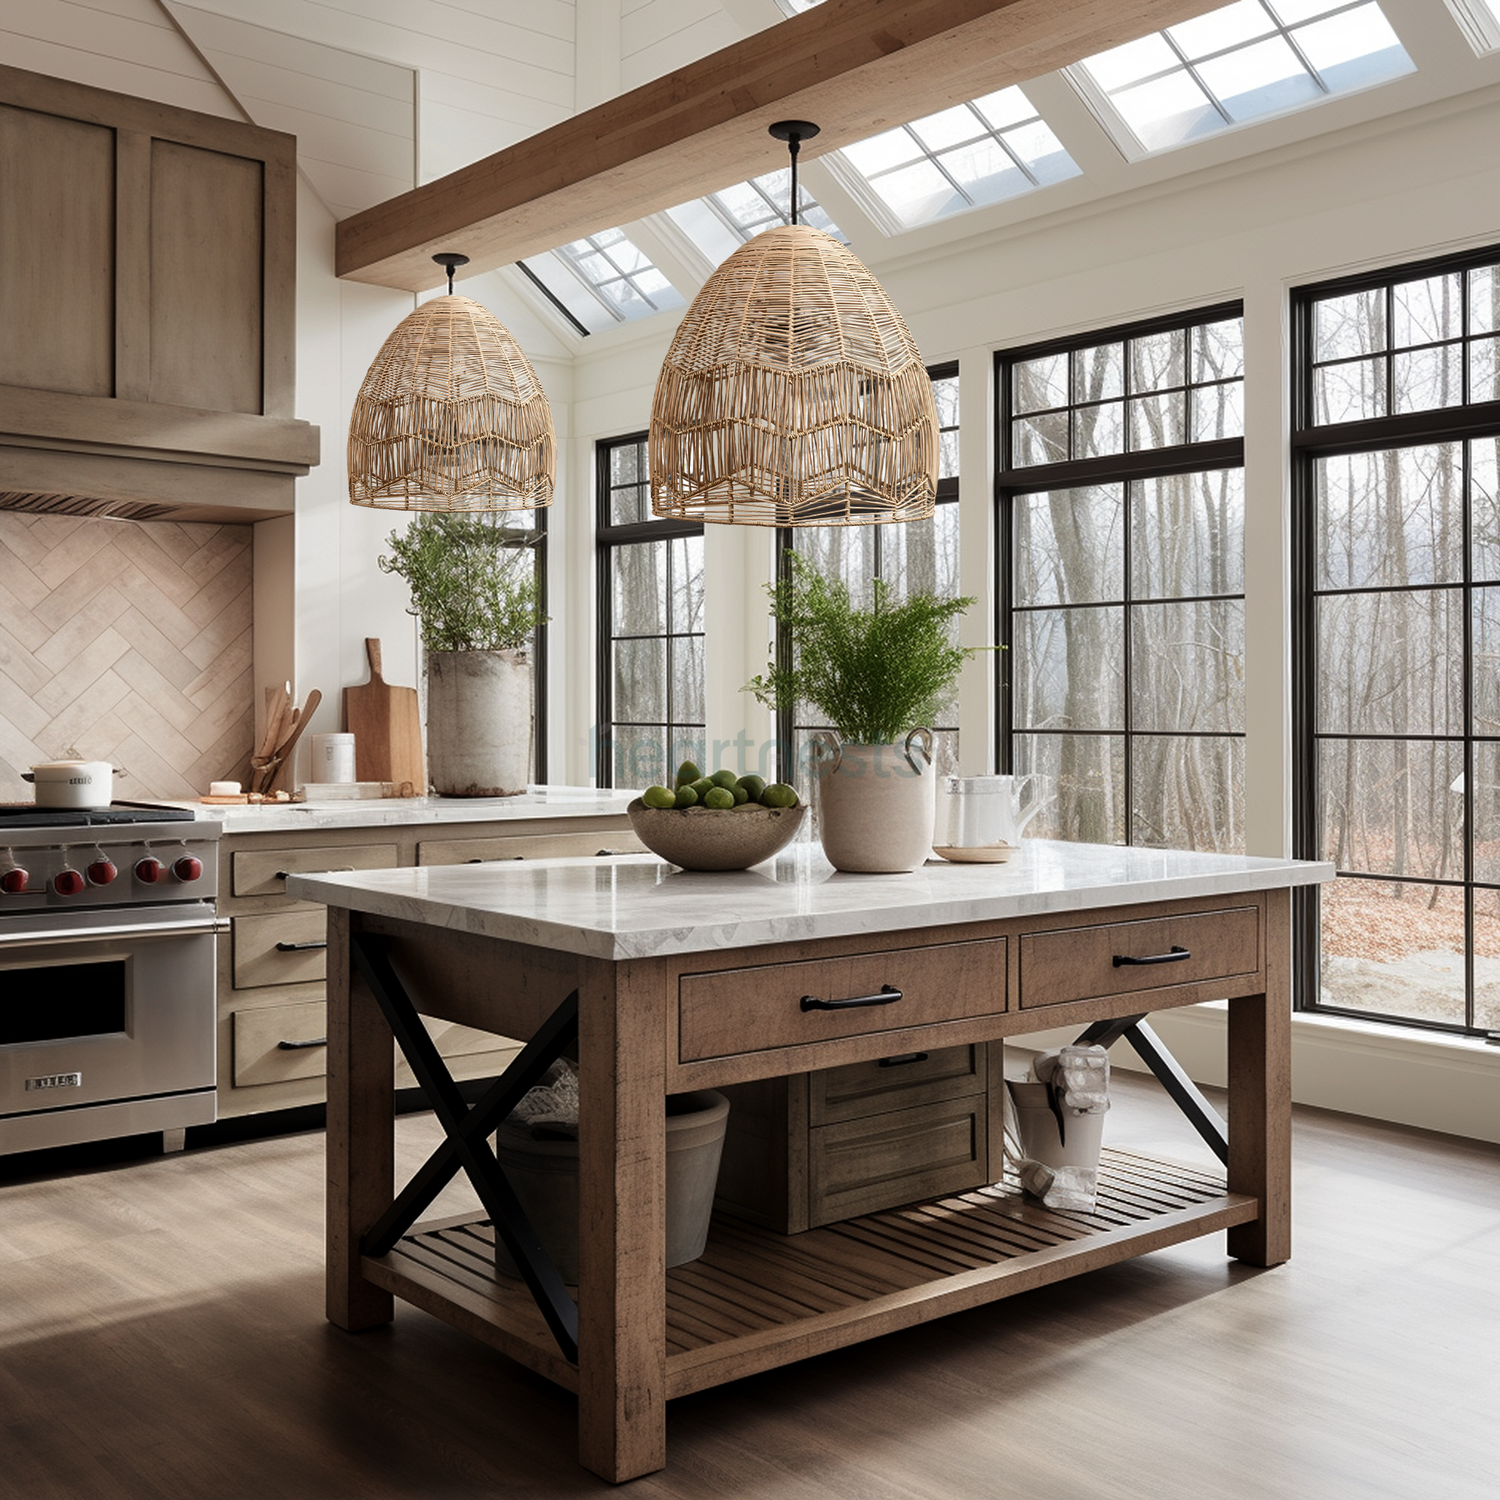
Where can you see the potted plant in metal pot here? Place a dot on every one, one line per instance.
(474, 589)
(876, 674)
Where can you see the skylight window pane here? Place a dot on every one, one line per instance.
(951, 127)
(893, 148)
(1259, 80)
(723, 221)
(985, 172)
(1294, 12)
(1042, 152)
(1355, 49)
(1220, 29)
(1168, 111)
(1134, 61)
(1008, 107)
(917, 193)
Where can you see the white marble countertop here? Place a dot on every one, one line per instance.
(637, 906)
(540, 802)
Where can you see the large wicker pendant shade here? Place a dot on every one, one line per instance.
(793, 395)
(451, 417)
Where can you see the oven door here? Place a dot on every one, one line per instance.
(108, 1012)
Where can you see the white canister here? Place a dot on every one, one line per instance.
(332, 759)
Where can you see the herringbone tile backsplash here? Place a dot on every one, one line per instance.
(128, 642)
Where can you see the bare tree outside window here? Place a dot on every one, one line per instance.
(1122, 514)
(651, 641)
(1398, 735)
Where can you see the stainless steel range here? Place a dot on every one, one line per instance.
(107, 942)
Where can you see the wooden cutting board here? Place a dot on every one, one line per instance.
(387, 728)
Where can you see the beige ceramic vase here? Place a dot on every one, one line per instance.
(875, 802)
(479, 723)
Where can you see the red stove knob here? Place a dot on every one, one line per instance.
(68, 882)
(101, 872)
(188, 868)
(150, 869)
(15, 881)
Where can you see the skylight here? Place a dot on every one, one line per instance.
(1478, 19)
(720, 223)
(602, 280)
(981, 152)
(1242, 62)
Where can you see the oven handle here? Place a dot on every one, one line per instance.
(125, 929)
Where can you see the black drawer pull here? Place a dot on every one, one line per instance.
(1174, 956)
(498, 859)
(887, 994)
(300, 947)
(317, 1041)
(901, 1062)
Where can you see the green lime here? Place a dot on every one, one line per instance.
(749, 805)
(754, 785)
(658, 796)
(703, 786)
(724, 778)
(687, 773)
(779, 794)
(741, 795)
(686, 797)
(719, 798)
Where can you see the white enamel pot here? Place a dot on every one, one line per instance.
(78, 784)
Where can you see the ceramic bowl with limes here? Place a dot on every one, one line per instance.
(706, 838)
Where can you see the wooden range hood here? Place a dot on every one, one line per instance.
(855, 67)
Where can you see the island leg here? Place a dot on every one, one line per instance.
(361, 1141)
(1260, 1099)
(622, 1316)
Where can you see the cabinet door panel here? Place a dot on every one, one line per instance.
(206, 278)
(57, 253)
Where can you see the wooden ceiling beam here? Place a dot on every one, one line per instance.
(854, 67)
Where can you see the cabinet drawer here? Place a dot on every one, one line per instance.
(1078, 963)
(543, 846)
(757, 1010)
(263, 872)
(268, 949)
(862, 1166)
(260, 1057)
(904, 1081)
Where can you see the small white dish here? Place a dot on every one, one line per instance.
(982, 854)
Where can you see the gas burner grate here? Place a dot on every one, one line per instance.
(29, 815)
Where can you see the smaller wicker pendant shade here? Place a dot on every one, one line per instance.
(451, 417)
(793, 395)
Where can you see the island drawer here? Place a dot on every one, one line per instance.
(862, 1166)
(539, 846)
(263, 872)
(726, 1012)
(283, 947)
(1081, 963)
(902, 1081)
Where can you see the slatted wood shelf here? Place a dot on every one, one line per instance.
(757, 1299)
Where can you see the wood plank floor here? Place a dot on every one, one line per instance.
(161, 1335)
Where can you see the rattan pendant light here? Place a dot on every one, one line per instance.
(451, 416)
(793, 393)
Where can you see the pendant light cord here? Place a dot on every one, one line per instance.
(793, 144)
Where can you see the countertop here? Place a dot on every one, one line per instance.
(539, 803)
(638, 906)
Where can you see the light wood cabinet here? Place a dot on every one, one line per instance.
(271, 987)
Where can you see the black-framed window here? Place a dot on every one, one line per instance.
(1396, 641)
(908, 555)
(650, 689)
(1120, 528)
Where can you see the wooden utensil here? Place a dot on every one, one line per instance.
(386, 724)
(282, 776)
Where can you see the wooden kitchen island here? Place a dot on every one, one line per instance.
(686, 981)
